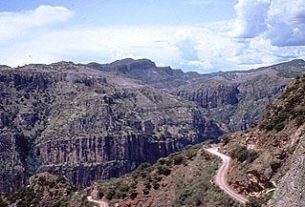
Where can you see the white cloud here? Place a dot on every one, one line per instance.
(281, 21)
(203, 48)
(103, 44)
(251, 17)
(178, 46)
(287, 23)
(13, 24)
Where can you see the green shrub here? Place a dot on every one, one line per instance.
(184, 195)
(251, 156)
(147, 185)
(133, 194)
(163, 170)
(156, 185)
(123, 187)
(110, 194)
(192, 151)
(144, 166)
(164, 161)
(179, 159)
(241, 153)
(279, 126)
(27, 197)
(275, 164)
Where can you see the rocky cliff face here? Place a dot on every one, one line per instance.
(181, 179)
(269, 159)
(235, 99)
(238, 99)
(86, 124)
(91, 122)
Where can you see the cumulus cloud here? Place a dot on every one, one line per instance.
(251, 17)
(98, 44)
(280, 21)
(13, 24)
(203, 48)
(178, 46)
(287, 23)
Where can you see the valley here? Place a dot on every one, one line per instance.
(90, 123)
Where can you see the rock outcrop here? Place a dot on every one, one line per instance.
(90, 122)
(236, 99)
(268, 163)
(87, 124)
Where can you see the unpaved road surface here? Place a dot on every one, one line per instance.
(220, 178)
(98, 203)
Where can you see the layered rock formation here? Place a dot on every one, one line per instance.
(93, 121)
(181, 179)
(235, 99)
(238, 99)
(86, 124)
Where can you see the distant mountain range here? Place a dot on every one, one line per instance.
(96, 121)
(234, 99)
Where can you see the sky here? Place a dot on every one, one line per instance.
(193, 35)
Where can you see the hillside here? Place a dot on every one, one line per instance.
(93, 122)
(238, 99)
(269, 159)
(46, 190)
(240, 96)
(267, 166)
(181, 179)
(86, 124)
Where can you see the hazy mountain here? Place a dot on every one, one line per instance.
(236, 99)
(147, 71)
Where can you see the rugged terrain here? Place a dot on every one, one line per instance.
(46, 190)
(238, 99)
(267, 165)
(92, 122)
(182, 179)
(269, 159)
(234, 99)
(87, 124)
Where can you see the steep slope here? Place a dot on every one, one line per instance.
(86, 124)
(269, 159)
(182, 179)
(45, 190)
(238, 99)
(240, 96)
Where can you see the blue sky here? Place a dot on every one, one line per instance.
(134, 12)
(200, 35)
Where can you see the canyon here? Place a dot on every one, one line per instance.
(89, 122)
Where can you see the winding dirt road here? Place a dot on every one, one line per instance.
(99, 203)
(220, 178)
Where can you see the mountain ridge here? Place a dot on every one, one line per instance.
(89, 123)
